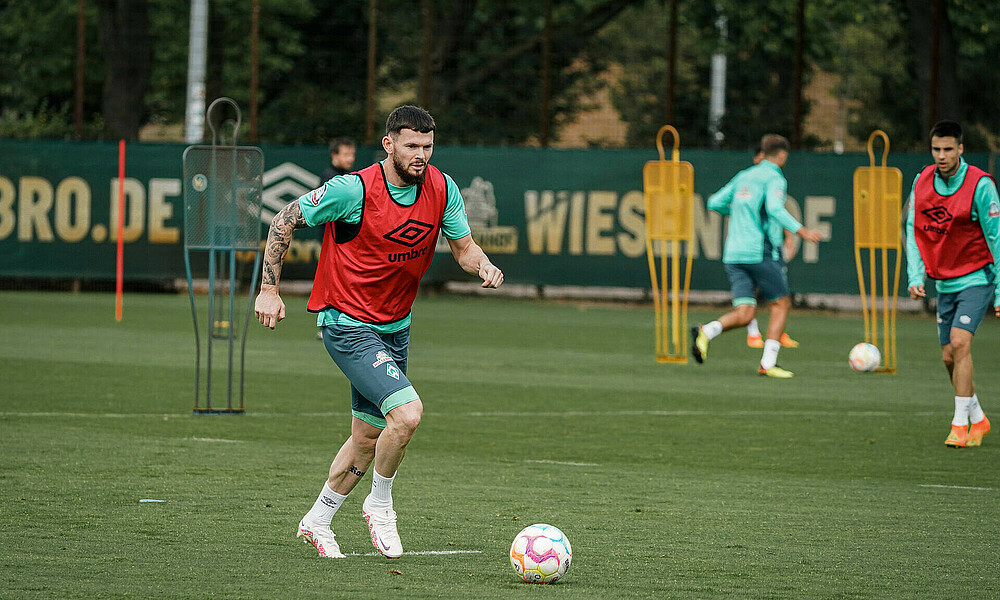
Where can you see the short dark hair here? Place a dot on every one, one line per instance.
(337, 143)
(409, 117)
(773, 143)
(947, 129)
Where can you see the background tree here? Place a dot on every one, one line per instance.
(485, 65)
(128, 56)
(760, 50)
(37, 71)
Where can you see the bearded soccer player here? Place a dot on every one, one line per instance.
(380, 228)
(953, 237)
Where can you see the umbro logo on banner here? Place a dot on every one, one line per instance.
(410, 233)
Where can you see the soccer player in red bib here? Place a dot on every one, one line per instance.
(953, 237)
(380, 228)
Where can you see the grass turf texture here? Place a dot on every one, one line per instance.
(670, 481)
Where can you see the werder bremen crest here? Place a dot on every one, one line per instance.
(481, 209)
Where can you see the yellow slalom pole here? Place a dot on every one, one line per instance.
(668, 191)
(877, 225)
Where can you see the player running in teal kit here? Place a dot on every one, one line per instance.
(755, 201)
(953, 236)
(381, 225)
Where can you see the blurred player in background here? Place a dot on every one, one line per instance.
(953, 236)
(342, 153)
(381, 226)
(788, 247)
(753, 199)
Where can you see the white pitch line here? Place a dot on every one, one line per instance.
(697, 413)
(90, 415)
(420, 553)
(560, 462)
(957, 487)
(553, 414)
(216, 440)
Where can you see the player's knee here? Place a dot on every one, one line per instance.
(744, 314)
(960, 343)
(406, 418)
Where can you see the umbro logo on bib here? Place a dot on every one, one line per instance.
(410, 233)
(938, 214)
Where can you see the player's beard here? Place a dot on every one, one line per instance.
(405, 175)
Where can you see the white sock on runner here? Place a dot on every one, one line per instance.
(961, 410)
(770, 356)
(325, 507)
(752, 328)
(976, 413)
(712, 330)
(381, 489)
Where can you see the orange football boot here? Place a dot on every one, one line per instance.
(977, 431)
(958, 437)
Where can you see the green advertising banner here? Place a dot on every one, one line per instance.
(546, 217)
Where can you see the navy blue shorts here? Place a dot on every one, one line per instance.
(375, 364)
(962, 310)
(767, 276)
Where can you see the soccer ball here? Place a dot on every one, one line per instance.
(540, 554)
(864, 357)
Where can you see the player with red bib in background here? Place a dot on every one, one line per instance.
(953, 237)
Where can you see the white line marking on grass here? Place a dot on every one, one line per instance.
(689, 413)
(560, 462)
(419, 553)
(197, 439)
(957, 487)
(91, 415)
(556, 414)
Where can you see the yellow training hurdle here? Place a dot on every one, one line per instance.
(668, 188)
(877, 230)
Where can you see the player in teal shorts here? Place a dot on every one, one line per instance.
(380, 228)
(754, 200)
(953, 236)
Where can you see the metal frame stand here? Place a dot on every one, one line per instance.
(222, 205)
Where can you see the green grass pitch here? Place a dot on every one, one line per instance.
(696, 481)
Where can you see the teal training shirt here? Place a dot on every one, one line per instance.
(985, 209)
(342, 200)
(755, 201)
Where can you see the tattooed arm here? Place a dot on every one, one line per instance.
(269, 308)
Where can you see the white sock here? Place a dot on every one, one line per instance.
(976, 413)
(770, 356)
(752, 328)
(381, 489)
(325, 507)
(712, 330)
(961, 410)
